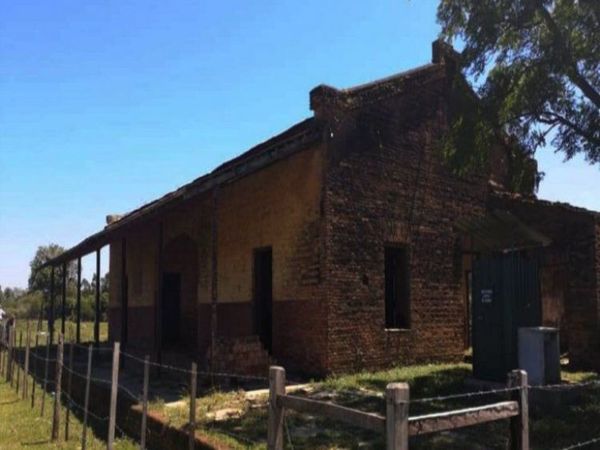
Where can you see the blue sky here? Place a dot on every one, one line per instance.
(107, 104)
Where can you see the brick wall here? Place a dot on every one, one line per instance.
(571, 270)
(386, 184)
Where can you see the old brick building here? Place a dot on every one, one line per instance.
(337, 245)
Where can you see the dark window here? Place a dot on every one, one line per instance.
(397, 288)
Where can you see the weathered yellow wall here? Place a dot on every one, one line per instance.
(277, 207)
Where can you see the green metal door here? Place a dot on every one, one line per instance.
(506, 296)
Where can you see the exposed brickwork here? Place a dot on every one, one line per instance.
(386, 184)
(242, 355)
(572, 257)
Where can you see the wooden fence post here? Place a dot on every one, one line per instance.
(519, 425)
(69, 383)
(145, 402)
(86, 401)
(397, 397)
(113, 396)
(26, 375)
(193, 384)
(34, 371)
(13, 359)
(18, 358)
(45, 385)
(9, 362)
(57, 387)
(1, 348)
(11, 344)
(276, 412)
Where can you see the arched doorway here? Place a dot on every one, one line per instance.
(179, 293)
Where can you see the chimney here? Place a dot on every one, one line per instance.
(442, 52)
(323, 99)
(112, 218)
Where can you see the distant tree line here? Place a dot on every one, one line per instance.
(34, 301)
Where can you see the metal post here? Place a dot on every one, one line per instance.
(113, 396)
(97, 316)
(519, 425)
(69, 393)
(57, 388)
(193, 385)
(124, 294)
(86, 401)
(78, 306)
(145, 402)
(397, 397)
(51, 312)
(276, 412)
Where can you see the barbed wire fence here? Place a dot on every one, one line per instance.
(43, 371)
(79, 377)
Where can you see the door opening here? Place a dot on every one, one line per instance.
(263, 296)
(171, 308)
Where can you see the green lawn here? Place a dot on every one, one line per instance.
(22, 427)
(87, 329)
(551, 428)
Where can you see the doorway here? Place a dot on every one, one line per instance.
(506, 296)
(171, 308)
(263, 296)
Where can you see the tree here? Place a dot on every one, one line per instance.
(40, 279)
(537, 67)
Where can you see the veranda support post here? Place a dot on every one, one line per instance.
(397, 396)
(78, 305)
(97, 303)
(63, 302)
(519, 425)
(51, 309)
(276, 412)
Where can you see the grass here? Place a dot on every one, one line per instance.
(22, 427)
(87, 329)
(575, 420)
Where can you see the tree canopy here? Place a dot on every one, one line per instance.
(39, 279)
(536, 64)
